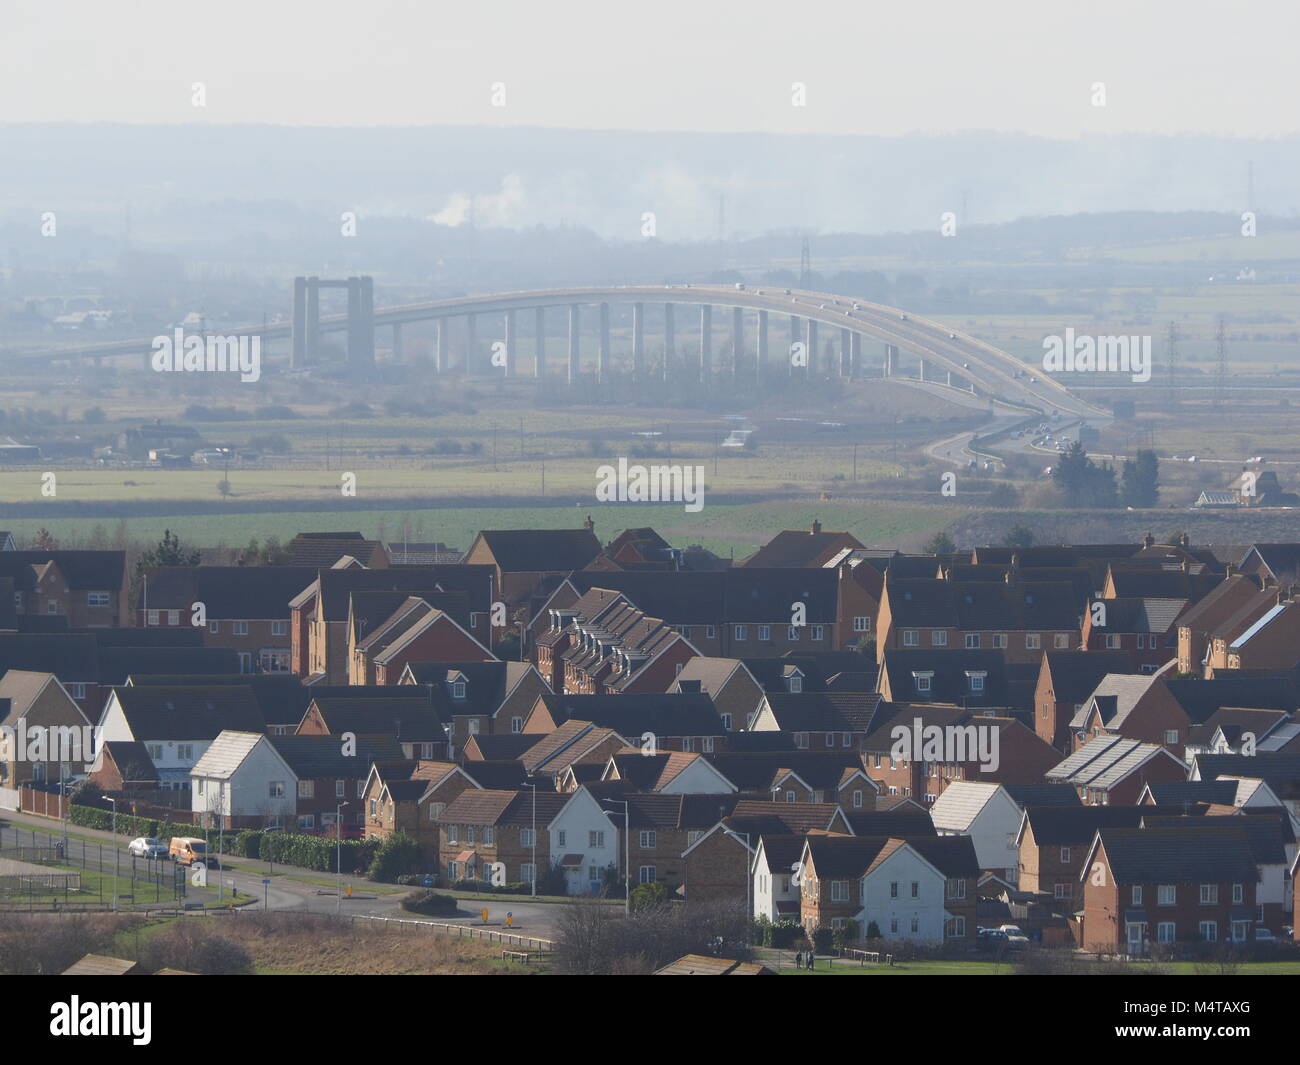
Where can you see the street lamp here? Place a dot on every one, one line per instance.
(338, 859)
(116, 852)
(534, 787)
(627, 860)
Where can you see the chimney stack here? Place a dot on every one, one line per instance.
(589, 525)
(1184, 540)
(816, 527)
(1148, 540)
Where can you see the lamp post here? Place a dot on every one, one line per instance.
(627, 859)
(338, 859)
(116, 853)
(534, 884)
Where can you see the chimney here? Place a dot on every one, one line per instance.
(1184, 540)
(816, 527)
(589, 525)
(1148, 540)
(1229, 570)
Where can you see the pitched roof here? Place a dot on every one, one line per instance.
(188, 712)
(236, 592)
(1105, 761)
(824, 711)
(538, 550)
(225, 754)
(92, 571)
(668, 714)
(1205, 853)
(316, 757)
(800, 547)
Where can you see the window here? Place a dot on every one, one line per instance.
(51, 606)
(789, 796)
(955, 888)
(796, 685)
(239, 628)
(893, 925)
(185, 752)
(1209, 894)
(596, 839)
(1165, 932)
(816, 634)
(765, 632)
(1209, 931)
(646, 874)
(516, 724)
(916, 892)
(1033, 642)
(155, 750)
(1136, 897)
(938, 638)
(916, 923)
(742, 633)
(469, 834)
(1000, 641)
(306, 789)
(910, 638)
(839, 891)
(857, 800)
(279, 628)
(453, 833)
(275, 789)
(1112, 641)
(1065, 854)
(97, 599)
(976, 681)
(1240, 931)
(972, 641)
(685, 630)
(1171, 735)
(307, 821)
(862, 623)
(686, 744)
(214, 627)
(458, 690)
(1166, 895)
(726, 722)
(1061, 641)
(77, 689)
(955, 927)
(922, 681)
(527, 872)
(830, 739)
(792, 634)
(801, 740)
(893, 889)
(647, 840)
(152, 617)
(527, 837)
(561, 838)
(471, 725)
(1238, 893)
(693, 837)
(1061, 890)
(708, 744)
(711, 631)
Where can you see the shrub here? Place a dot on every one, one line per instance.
(822, 939)
(429, 903)
(647, 896)
(397, 854)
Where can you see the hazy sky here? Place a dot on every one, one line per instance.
(1169, 66)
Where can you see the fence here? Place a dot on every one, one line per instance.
(464, 931)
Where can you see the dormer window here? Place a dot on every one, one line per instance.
(975, 681)
(458, 690)
(922, 681)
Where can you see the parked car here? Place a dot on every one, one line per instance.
(1263, 935)
(145, 847)
(187, 850)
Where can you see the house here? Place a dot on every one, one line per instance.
(919, 889)
(811, 776)
(1052, 842)
(821, 719)
(323, 550)
(669, 722)
(321, 619)
(670, 772)
(420, 627)
(585, 843)
(72, 657)
(576, 742)
(1224, 628)
(660, 828)
(331, 777)
(776, 893)
(1145, 887)
(478, 698)
(408, 797)
(241, 780)
(1066, 679)
(89, 588)
(411, 721)
(1271, 642)
(797, 548)
(520, 558)
(972, 679)
(720, 863)
(1146, 629)
(1020, 618)
(729, 682)
(177, 723)
(123, 767)
(989, 816)
(1231, 595)
(1281, 772)
(44, 734)
(1112, 771)
(498, 836)
(243, 608)
(1136, 708)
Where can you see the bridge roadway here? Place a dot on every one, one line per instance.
(992, 372)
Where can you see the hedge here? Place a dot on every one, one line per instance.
(429, 903)
(310, 852)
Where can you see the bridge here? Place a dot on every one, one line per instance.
(824, 335)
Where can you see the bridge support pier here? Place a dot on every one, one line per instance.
(855, 354)
(602, 356)
(638, 340)
(796, 337)
(670, 338)
(512, 342)
(706, 342)
(361, 322)
(539, 337)
(891, 357)
(298, 357)
(574, 354)
(921, 370)
(846, 353)
(760, 361)
(737, 340)
(471, 345)
(397, 342)
(311, 328)
(441, 343)
(813, 355)
(950, 379)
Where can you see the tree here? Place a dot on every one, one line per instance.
(1140, 480)
(396, 855)
(44, 541)
(168, 552)
(223, 486)
(645, 896)
(1019, 536)
(1083, 482)
(1003, 496)
(939, 544)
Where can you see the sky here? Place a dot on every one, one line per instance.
(921, 66)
